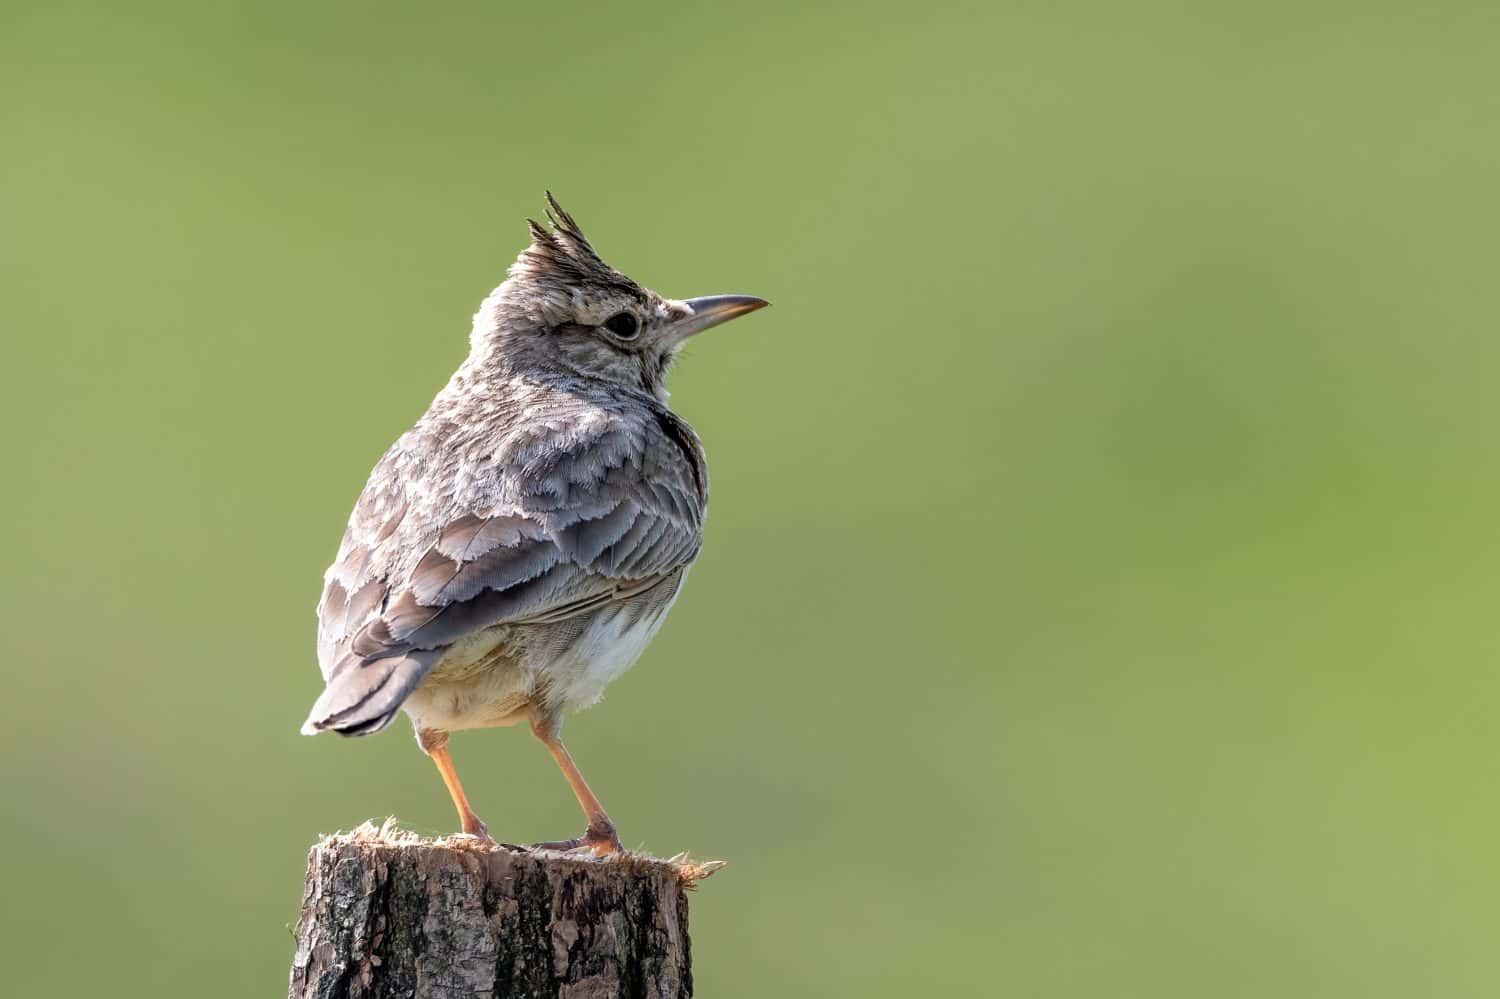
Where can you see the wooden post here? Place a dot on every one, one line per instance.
(385, 913)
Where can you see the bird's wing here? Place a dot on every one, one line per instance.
(554, 525)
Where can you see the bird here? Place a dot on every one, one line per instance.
(518, 548)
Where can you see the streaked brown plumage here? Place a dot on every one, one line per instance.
(517, 548)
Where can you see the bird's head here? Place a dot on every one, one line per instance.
(564, 309)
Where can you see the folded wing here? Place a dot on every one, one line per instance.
(552, 525)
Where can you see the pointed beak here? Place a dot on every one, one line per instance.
(711, 310)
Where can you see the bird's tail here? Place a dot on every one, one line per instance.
(363, 695)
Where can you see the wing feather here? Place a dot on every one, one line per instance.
(563, 517)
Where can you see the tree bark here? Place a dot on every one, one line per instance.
(386, 914)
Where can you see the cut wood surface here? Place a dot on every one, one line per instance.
(386, 913)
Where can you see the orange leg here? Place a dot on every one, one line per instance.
(600, 836)
(435, 745)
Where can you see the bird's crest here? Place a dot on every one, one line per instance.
(564, 252)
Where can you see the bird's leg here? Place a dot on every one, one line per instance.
(600, 836)
(435, 745)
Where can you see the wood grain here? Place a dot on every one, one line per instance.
(387, 914)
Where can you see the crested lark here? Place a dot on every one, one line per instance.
(518, 548)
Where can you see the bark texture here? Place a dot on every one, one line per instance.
(386, 914)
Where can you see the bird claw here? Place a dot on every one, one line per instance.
(474, 828)
(599, 842)
(483, 839)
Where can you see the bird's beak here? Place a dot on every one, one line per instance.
(711, 310)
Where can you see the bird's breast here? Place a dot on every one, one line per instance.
(496, 676)
(579, 657)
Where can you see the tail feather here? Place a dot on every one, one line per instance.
(363, 695)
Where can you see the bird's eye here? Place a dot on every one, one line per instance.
(623, 325)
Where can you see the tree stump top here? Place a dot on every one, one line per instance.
(388, 913)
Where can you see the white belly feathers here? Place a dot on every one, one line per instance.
(493, 677)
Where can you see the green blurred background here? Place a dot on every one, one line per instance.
(1098, 591)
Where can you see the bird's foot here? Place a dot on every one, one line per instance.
(474, 826)
(599, 838)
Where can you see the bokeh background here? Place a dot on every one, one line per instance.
(1098, 595)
